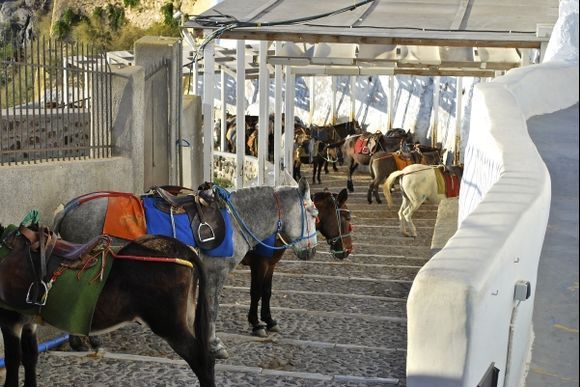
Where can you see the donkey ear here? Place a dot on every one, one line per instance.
(303, 187)
(342, 196)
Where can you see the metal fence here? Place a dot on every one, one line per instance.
(55, 102)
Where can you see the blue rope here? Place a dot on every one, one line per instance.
(226, 197)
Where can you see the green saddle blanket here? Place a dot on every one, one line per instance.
(72, 299)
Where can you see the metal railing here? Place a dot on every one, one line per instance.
(55, 102)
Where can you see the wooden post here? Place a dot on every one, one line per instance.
(264, 91)
(458, 119)
(289, 120)
(223, 112)
(278, 120)
(208, 86)
(333, 86)
(240, 112)
(435, 111)
(391, 113)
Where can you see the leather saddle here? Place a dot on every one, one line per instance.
(55, 253)
(202, 209)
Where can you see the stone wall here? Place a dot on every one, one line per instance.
(37, 133)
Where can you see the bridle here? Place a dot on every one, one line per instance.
(247, 232)
(341, 236)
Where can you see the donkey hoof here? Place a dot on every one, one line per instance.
(259, 332)
(274, 328)
(77, 343)
(96, 342)
(379, 201)
(220, 353)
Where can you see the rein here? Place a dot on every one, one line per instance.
(340, 236)
(424, 169)
(226, 197)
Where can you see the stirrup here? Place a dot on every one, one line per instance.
(43, 298)
(208, 239)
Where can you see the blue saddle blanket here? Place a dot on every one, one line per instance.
(159, 223)
(266, 251)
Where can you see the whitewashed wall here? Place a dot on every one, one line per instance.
(461, 303)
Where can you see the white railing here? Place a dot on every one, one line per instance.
(462, 315)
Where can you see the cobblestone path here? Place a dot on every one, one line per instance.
(343, 322)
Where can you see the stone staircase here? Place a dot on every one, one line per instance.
(343, 322)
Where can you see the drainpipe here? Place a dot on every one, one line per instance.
(522, 292)
(44, 346)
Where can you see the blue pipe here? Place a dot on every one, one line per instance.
(45, 346)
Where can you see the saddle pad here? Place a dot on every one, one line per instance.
(71, 301)
(401, 162)
(159, 223)
(440, 181)
(264, 251)
(73, 297)
(125, 217)
(451, 185)
(360, 146)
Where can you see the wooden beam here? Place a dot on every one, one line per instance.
(415, 38)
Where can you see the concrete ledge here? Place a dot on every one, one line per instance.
(446, 223)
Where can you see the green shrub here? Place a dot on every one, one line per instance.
(61, 29)
(131, 3)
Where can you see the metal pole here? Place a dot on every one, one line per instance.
(278, 159)
(264, 81)
(208, 85)
(240, 113)
(289, 124)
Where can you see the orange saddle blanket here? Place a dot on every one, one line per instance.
(125, 217)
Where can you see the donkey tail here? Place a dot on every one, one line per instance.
(201, 325)
(388, 184)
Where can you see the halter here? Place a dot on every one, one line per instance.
(340, 237)
(226, 197)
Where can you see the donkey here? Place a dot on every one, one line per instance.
(334, 224)
(258, 213)
(169, 308)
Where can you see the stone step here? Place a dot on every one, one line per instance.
(341, 269)
(273, 369)
(337, 328)
(342, 285)
(320, 301)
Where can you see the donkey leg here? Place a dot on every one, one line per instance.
(12, 353)
(402, 220)
(408, 215)
(258, 273)
(319, 170)
(216, 275)
(272, 325)
(29, 345)
(376, 194)
(370, 192)
(184, 343)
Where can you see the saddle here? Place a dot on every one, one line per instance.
(361, 146)
(203, 211)
(448, 181)
(54, 254)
